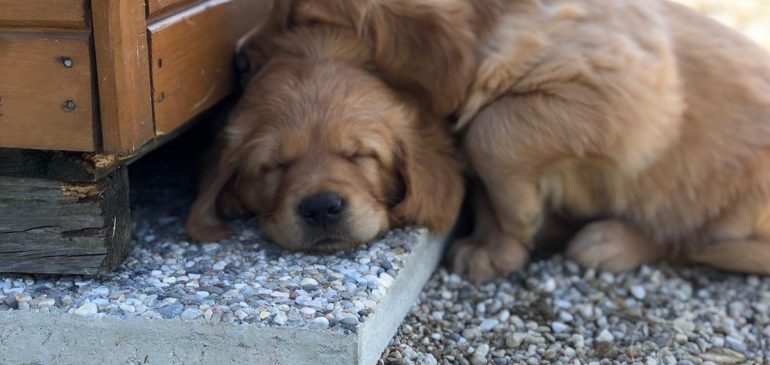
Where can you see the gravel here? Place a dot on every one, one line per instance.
(556, 313)
(241, 280)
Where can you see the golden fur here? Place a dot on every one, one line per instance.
(316, 119)
(644, 118)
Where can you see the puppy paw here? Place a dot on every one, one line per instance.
(208, 233)
(613, 246)
(482, 261)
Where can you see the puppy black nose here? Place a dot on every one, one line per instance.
(322, 208)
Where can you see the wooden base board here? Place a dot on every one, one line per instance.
(58, 227)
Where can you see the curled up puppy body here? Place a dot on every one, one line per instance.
(325, 153)
(644, 117)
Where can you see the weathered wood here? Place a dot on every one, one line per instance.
(192, 57)
(48, 226)
(57, 165)
(43, 13)
(123, 74)
(46, 91)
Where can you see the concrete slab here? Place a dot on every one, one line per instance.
(39, 325)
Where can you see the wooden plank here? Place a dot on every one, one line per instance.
(43, 13)
(123, 74)
(164, 7)
(46, 91)
(192, 57)
(53, 227)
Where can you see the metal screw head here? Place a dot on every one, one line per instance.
(69, 105)
(67, 62)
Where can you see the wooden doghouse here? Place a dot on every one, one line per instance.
(87, 86)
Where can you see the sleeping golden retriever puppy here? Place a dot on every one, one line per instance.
(324, 152)
(643, 117)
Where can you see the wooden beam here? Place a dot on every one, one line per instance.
(123, 74)
(49, 226)
(69, 14)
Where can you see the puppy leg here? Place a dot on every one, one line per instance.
(612, 245)
(488, 252)
(745, 256)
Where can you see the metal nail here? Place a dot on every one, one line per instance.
(68, 63)
(70, 105)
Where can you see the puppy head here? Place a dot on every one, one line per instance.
(424, 47)
(328, 156)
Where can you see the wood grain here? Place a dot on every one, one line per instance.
(47, 226)
(35, 85)
(165, 7)
(43, 13)
(192, 57)
(123, 74)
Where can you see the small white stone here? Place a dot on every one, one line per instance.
(263, 315)
(190, 314)
(127, 308)
(279, 294)
(550, 285)
(86, 309)
(308, 282)
(202, 293)
(559, 327)
(320, 323)
(386, 280)
(429, 359)
(156, 273)
(638, 292)
(578, 341)
(605, 336)
(480, 355)
(241, 314)
(101, 291)
(586, 311)
(169, 280)
(280, 319)
(47, 302)
(504, 315)
(680, 338)
(219, 265)
(488, 324)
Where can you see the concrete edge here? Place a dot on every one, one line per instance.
(37, 338)
(381, 326)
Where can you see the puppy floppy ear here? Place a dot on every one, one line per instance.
(203, 223)
(254, 48)
(433, 181)
(423, 46)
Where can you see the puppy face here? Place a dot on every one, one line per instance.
(319, 168)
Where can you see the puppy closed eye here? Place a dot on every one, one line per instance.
(360, 156)
(280, 165)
